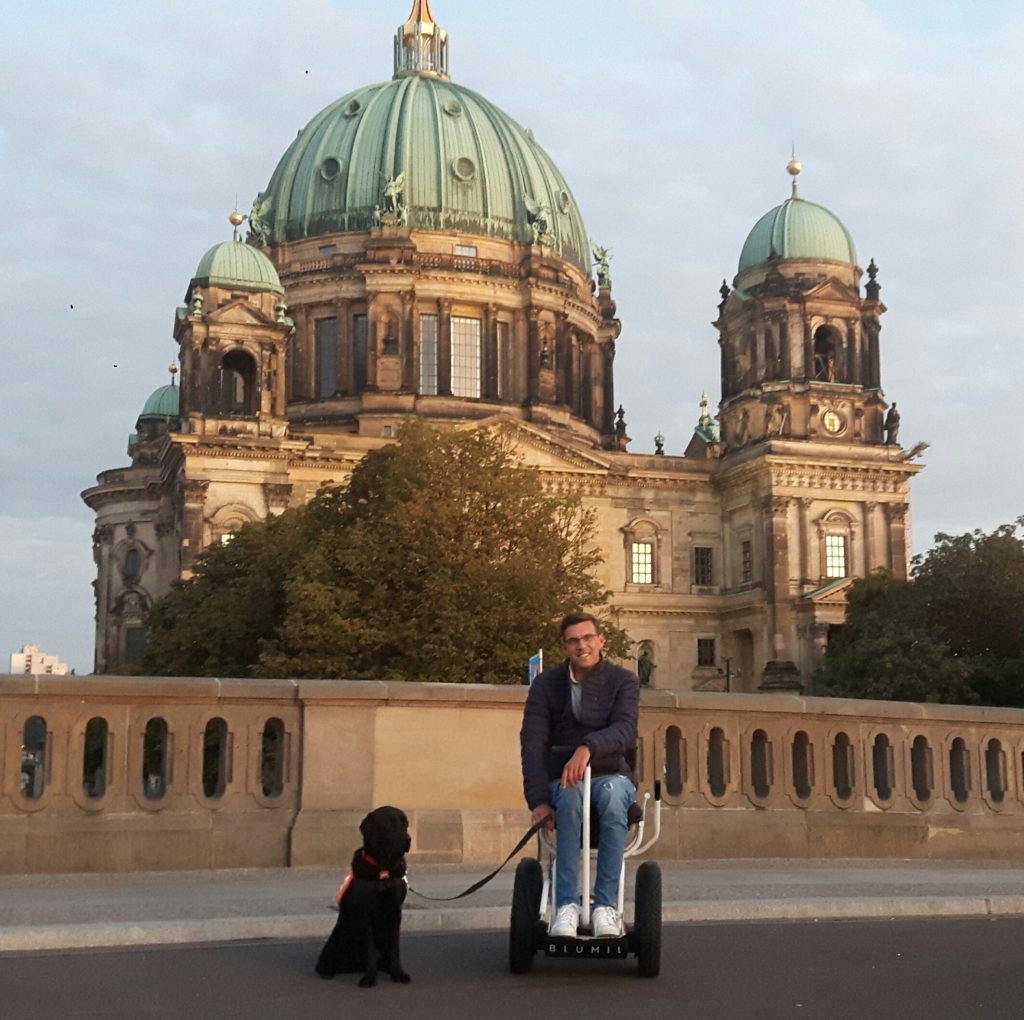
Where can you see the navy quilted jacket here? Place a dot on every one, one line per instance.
(551, 733)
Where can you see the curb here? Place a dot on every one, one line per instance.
(50, 938)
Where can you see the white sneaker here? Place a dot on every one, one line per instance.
(566, 921)
(606, 923)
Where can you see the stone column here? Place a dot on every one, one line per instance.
(406, 342)
(561, 353)
(193, 492)
(870, 539)
(805, 540)
(346, 357)
(897, 517)
(533, 354)
(607, 391)
(371, 343)
(489, 354)
(444, 348)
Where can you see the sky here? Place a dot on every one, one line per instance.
(128, 132)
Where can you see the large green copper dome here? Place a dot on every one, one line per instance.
(468, 167)
(236, 265)
(798, 230)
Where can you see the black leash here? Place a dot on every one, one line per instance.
(530, 833)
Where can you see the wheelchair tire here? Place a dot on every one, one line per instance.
(526, 893)
(647, 924)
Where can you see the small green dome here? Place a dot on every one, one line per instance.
(798, 230)
(237, 265)
(468, 168)
(162, 404)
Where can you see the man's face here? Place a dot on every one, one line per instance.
(583, 645)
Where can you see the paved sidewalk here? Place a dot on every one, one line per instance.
(57, 912)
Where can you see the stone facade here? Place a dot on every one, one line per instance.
(121, 774)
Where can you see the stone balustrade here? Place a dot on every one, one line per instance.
(152, 773)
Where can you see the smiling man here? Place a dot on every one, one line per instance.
(583, 711)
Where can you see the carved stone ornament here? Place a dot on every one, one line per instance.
(277, 494)
(194, 489)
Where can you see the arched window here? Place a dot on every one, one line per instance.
(959, 770)
(272, 752)
(155, 776)
(216, 758)
(675, 761)
(995, 770)
(761, 763)
(94, 758)
(882, 767)
(836, 532)
(132, 565)
(842, 766)
(826, 354)
(718, 762)
(33, 758)
(921, 769)
(803, 765)
(238, 384)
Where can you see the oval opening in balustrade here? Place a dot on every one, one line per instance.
(995, 771)
(803, 765)
(959, 770)
(883, 767)
(154, 759)
(33, 758)
(272, 758)
(761, 763)
(675, 761)
(215, 758)
(94, 758)
(922, 775)
(842, 766)
(718, 766)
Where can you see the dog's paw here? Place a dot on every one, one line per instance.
(400, 977)
(368, 981)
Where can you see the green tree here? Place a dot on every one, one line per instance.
(955, 633)
(443, 559)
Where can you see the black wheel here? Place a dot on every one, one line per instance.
(647, 929)
(526, 893)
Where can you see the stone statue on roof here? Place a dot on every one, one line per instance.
(603, 257)
(259, 224)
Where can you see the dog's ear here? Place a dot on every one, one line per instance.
(366, 827)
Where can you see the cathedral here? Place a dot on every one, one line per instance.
(417, 253)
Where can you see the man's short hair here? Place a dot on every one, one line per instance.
(574, 618)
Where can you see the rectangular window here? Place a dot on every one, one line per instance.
(326, 357)
(705, 651)
(702, 564)
(134, 644)
(504, 361)
(328, 249)
(428, 354)
(746, 563)
(642, 563)
(465, 357)
(469, 250)
(360, 335)
(835, 556)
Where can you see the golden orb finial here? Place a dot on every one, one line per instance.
(793, 168)
(236, 219)
(173, 369)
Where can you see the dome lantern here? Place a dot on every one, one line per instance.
(421, 45)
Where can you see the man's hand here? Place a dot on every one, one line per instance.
(576, 766)
(541, 812)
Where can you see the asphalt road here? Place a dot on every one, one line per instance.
(876, 969)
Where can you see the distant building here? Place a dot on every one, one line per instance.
(34, 662)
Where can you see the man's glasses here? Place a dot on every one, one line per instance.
(583, 639)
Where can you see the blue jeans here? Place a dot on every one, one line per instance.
(610, 797)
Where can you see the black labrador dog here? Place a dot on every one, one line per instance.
(365, 937)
